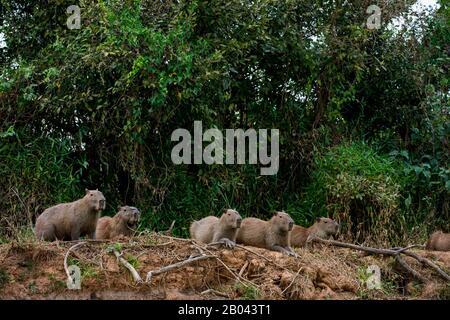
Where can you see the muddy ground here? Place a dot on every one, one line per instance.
(35, 270)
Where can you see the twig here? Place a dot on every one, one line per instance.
(243, 268)
(175, 238)
(217, 293)
(169, 231)
(401, 250)
(253, 252)
(177, 265)
(293, 280)
(66, 267)
(238, 278)
(137, 278)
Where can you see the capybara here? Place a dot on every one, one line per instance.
(123, 223)
(273, 234)
(212, 229)
(70, 221)
(323, 228)
(438, 241)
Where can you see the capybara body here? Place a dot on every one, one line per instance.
(273, 234)
(122, 224)
(70, 221)
(438, 241)
(323, 228)
(212, 229)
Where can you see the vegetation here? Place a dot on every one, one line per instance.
(363, 113)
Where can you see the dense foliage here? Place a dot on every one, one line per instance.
(363, 113)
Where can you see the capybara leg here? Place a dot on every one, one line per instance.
(291, 252)
(75, 234)
(283, 250)
(227, 242)
(48, 234)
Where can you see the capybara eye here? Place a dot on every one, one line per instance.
(229, 214)
(91, 194)
(326, 221)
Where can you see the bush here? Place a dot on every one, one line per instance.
(359, 188)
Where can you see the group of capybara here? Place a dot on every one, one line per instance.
(70, 221)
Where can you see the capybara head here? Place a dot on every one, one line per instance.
(96, 199)
(130, 215)
(232, 217)
(282, 221)
(327, 225)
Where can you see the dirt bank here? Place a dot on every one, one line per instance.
(35, 270)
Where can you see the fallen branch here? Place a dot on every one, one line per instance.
(137, 278)
(406, 266)
(177, 265)
(394, 253)
(429, 263)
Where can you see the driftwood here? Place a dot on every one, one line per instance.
(396, 253)
(137, 278)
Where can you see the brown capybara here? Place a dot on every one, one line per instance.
(273, 234)
(438, 241)
(123, 223)
(69, 221)
(324, 228)
(212, 229)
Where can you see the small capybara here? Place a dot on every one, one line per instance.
(212, 229)
(273, 234)
(123, 223)
(70, 221)
(323, 228)
(438, 241)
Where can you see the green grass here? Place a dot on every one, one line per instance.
(247, 293)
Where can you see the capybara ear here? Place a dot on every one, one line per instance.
(318, 219)
(86, 190)
(119, 207)
(224, 210)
